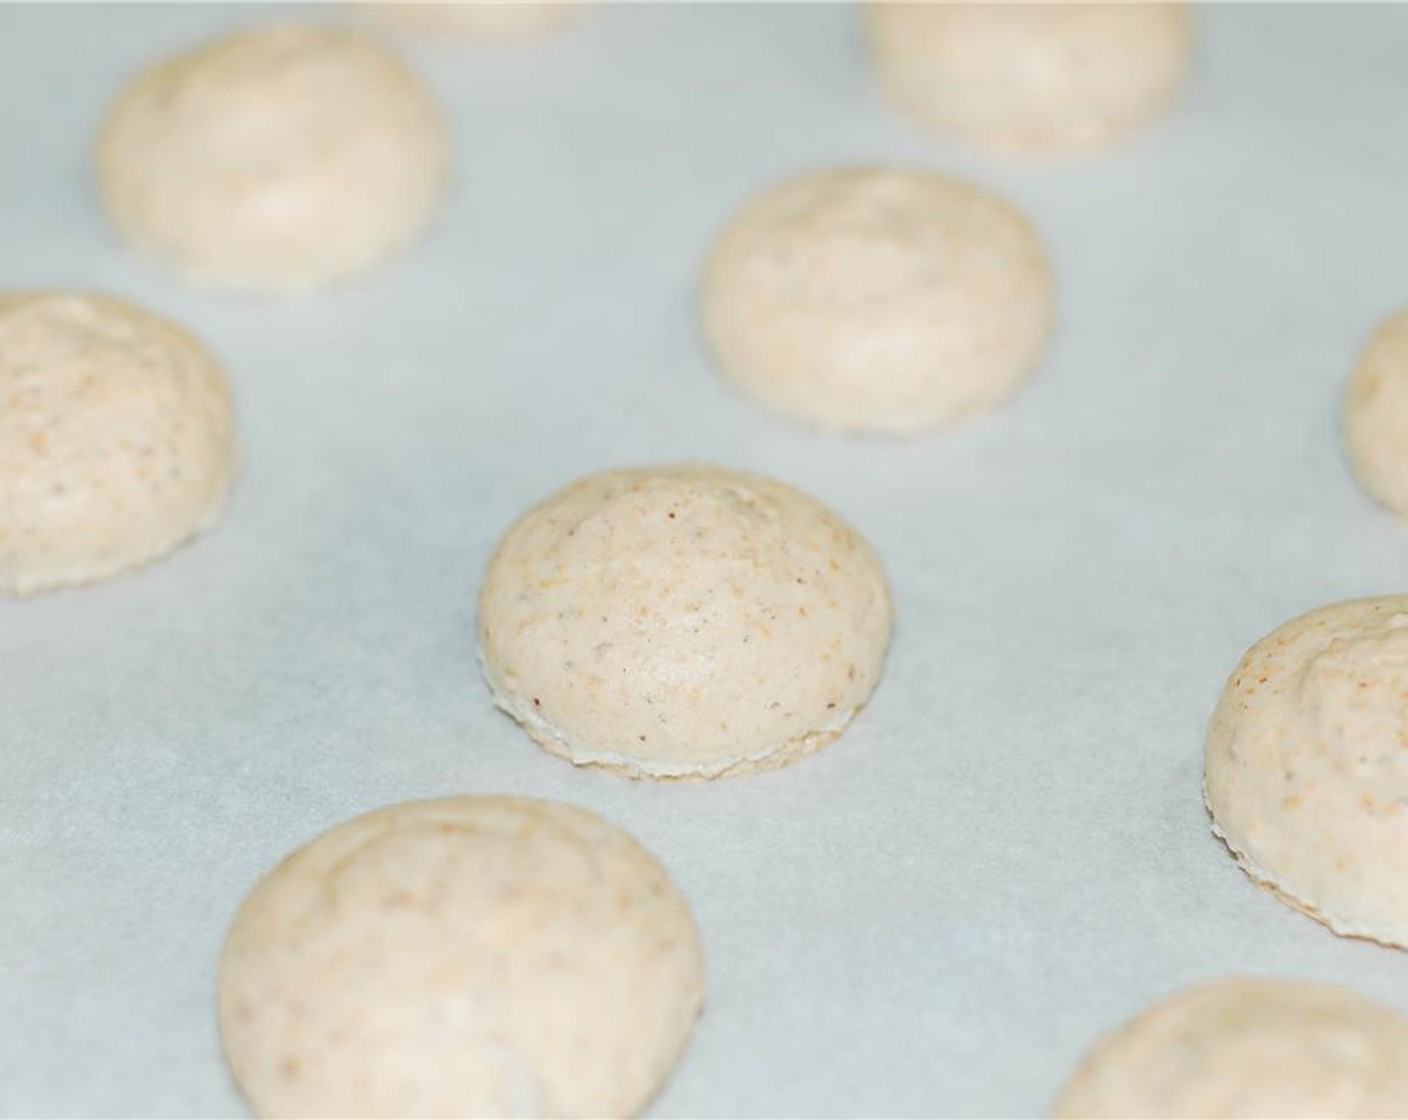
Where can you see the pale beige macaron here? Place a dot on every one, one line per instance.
(474, 956)
(481, 21)
(279, 160)
(1042, 77)
(683, 622)
(117, 438)
(1307, 766)
(1244, 1048)
(1376, 415)
(877, 299)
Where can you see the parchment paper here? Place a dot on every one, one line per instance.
(1008, 853)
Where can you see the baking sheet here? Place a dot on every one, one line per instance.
(1008, 853)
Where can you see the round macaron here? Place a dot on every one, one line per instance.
(280, 159)
(117, 438)
(683, 622)
(1235, 1049)
(877, 299)
(1043, 77)
(474, 956)
(482, 21)
(1307, 766)
(1376, 415)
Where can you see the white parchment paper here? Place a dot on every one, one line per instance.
(1008, 853)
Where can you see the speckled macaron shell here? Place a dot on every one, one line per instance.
(482, 21)
(1044, 77)
(117, 439)
(683, 622)
(275, 160)
(1307, 766)
(1376, 415)
(474, 956)
(877, 299)
(1244, 1048)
